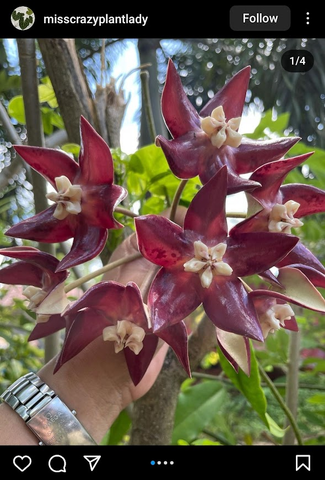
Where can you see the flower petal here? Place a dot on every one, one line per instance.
(270, 277)
(310, 198)
(32, 255)
(300, 254)
(300, 289)
(253, 253)
(80, 332)
(176, 336)
(255, 223)
(54, 302)
(271, 176)
(138, 364)
(49, 162)
(88, 243)
(297, 289)
(236, 349)
(236, 183)
(229, 307)
(95, 159)
(206, 213)
(185, 154)
(172, 297)
(178, 112)
(134, 304)
(193, 154)
(231, 96)
(316, 277)
(42, 227)
(115, 301)
(104, 296)
(251, 154)
(22, 273)
(162, 241)
(41, 330)
(99, 202)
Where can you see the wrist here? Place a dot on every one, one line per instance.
(93, 385)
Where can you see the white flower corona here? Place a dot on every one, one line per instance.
(281, 218)
(44, 303)
(220, 131)
(274, 318)
(68, 198)
(207, 262)
(125, 334)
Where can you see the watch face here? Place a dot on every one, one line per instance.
(55, 424)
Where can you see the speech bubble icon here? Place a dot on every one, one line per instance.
(57, 464)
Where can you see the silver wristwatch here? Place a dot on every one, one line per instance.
(45, 414)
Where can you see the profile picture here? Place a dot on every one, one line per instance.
(22, 18)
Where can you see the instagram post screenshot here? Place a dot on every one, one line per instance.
(162, 260)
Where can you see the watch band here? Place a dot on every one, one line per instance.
(44, 413)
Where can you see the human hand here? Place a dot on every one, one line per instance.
(97, 379)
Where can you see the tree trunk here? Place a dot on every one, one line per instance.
(153, 414)
(147, 51)
(69, 84)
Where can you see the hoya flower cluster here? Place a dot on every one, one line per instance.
(200, 264)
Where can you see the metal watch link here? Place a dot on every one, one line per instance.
(44, 413)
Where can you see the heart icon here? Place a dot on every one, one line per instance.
(22, 463)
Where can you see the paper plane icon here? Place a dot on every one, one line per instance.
(92, 460)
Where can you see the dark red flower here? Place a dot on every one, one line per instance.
(36, 270)
(117, 313)
(273, 308)
(85, 198)
(296, 288)
(201, 264)
(203, 142)
(279, 208)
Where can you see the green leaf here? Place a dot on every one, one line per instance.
(196, 407)
(269, 124)
(73, 148)
(118, 430)
(154, 205)
(274, 428)
(250, 386)
(16, 109)
(319, 398)
(46, 94)
(200, 441)
(205, 441)
(152, 159)
(50, 119)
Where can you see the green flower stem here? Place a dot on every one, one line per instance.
(100, 271)
(144, 77)
(281, 403)
(236, 214)
(218, 378)
(176, 199)
(125, 212)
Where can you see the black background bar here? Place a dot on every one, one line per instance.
(133, 461)
(187, 21)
